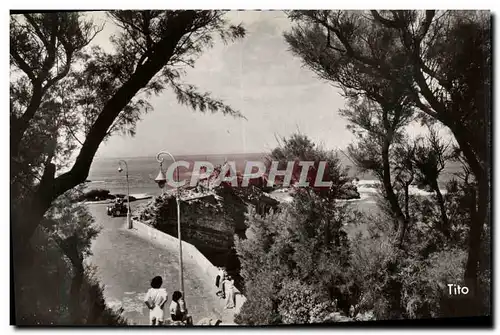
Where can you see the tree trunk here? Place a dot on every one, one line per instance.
(482, 176)
(50, 187)
(444, 227)
(407, 201)
(474, 245)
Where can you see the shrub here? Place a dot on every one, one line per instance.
(261, 306)
(301, 303)
(43, 286)
(96, 312)
(300, 254)
(42, 290)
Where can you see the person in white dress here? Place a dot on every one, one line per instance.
(155, 299)
(229, 288)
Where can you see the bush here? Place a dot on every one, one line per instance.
(96, 312)
(261, 306)
(294, 263)
(406, 283)
(43, 285)
(424, 289)
(368, 263)
(301, 303)
(42, 290)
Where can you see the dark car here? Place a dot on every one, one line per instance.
(118, 208)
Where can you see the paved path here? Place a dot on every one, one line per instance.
(126, 263)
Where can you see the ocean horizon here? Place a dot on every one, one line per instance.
(143, 170)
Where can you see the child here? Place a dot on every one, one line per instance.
(177, 309)
(155, 299)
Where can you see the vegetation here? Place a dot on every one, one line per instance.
(295, 263)
(65, 291)
(417, 61)
(398, 67)
(299, 148)
(299, 264)
(49, 55)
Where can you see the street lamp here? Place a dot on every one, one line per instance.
(161, 180)
(129, 221)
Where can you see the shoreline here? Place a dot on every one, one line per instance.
(137, 197)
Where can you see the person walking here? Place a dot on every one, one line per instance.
(155, 300)
(223, 284)
(218, 281)
(229, 288)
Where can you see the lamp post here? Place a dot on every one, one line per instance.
(161, 180)
(129, 221)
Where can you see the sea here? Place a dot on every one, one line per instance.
(104, 174)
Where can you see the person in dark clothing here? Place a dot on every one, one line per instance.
(177, 307)
(218, 281)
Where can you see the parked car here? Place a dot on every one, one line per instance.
(118, 208)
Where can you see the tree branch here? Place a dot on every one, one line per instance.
(386, 22)
(162, 53)
(62, 74)
(23, 65)
(37, 30)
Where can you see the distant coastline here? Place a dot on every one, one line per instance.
(251, 154)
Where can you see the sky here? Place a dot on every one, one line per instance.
(257, 76)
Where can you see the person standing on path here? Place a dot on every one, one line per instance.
(155, 299)
(229, 287)
(218, 281)
(223, 283)
(178, 311)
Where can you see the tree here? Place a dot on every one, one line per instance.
(430, 158)
(299, 148)
(378, 127)
(303, 245)
(441, 61)
(302, 248)
(66, 100)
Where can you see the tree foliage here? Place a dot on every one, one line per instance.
(58, 288)
(300, 148)
(66, 97)
(294, 261)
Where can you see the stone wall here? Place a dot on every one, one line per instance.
(189, 251)
(209, 222)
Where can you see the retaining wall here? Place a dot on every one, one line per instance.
(189, 251)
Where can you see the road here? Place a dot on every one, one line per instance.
(126, 263)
